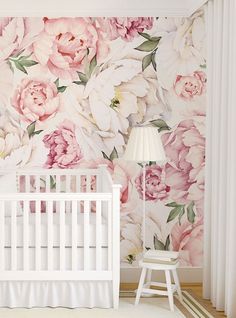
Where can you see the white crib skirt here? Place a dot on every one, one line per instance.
(68, 294)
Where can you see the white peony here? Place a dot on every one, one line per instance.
(15, 147)
(181, 49)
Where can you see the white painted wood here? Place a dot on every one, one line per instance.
(116, 243)
(26, 236)
(2, 235)
(38, 235)
(86, 234)
(109, 234)
(50, 234)
(111, 8)
(177, 284)
(13, 236)
(110, 199)
(74, 234)
(62, 235)
(98, 236)
(169, 290)
(140, 285)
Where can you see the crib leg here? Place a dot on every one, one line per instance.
(116, 292)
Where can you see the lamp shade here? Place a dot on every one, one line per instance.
(144, 145)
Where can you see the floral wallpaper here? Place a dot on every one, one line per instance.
(72, 88)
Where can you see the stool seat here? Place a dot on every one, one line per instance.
(165, 263)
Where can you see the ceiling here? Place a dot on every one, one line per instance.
(167, 8)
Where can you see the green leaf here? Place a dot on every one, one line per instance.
(147, 60)
(172, 204)
(158, 245)
(145, 35)
(10, 65)
(52, 183)
(61, 89)
(28, 63)
(161, 124)
(147, 46)
(105, 156)
(190, 213)
(203, 66)
(20, 67)
(78, 83)
(92, 65)
(114, 154)
(174, 213)
(56, 82)
(153, 60)
(37, 132)
(31, 129)
(182, 211)
(82, 77)
(155, 39)
(167, 244)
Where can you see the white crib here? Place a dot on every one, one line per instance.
(61, 227)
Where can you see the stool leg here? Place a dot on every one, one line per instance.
(149, 277)
(140, 285)
(176, 280)
(169, 290)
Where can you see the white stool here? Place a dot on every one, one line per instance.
(171, 288)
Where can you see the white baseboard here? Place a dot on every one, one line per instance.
(186, 275)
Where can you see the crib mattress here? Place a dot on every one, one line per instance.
(56, 230)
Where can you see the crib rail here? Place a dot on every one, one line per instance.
(14, 202)
(61, 191)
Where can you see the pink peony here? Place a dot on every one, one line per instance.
(16, 34)
(36, 99)
(126, 28)
(155, 186)
(189, 86)
(64, 151)
(185, 150)
(68, 44)
(188, 240)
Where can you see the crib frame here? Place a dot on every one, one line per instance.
(107, 192)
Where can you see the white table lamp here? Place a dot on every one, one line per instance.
(144, 145)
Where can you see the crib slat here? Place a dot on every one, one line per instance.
(26, 235)
(88, 183)
(109, 221)
(98, 236)
(62, 235)
(50, 234)
(74, 235)
(13, 236)
(2, 235)
(86, 234)
(38, 235)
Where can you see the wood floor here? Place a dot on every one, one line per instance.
(196, 288)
